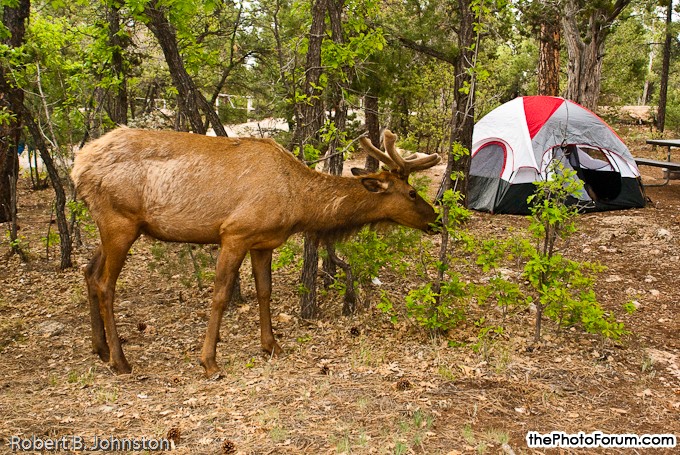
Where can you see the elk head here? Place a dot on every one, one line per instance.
(415, 211)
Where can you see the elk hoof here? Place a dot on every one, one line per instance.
(272, 349)
(210, 367)
(121, 367)
(102, 352)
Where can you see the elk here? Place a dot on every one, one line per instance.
(245, 194)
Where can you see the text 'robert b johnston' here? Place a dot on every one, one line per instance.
(98, 443)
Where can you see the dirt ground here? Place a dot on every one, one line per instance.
(345, 384)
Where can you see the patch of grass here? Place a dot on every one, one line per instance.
(497, 435)
(78, 296)
(363, 403)
(362, 440)
(85, 379)
(411, 432)
(468, 434)
(343, 444)
(278, 434)
(445, 372)
(492, 436)
(106, 395)
(367, 355)
(502, 358)
(306, 338)
(400, 448)
(268, 416)
(422, 420)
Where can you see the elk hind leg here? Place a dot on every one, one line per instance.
(93, 273)
(262, 271)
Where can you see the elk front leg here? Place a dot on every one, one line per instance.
(93, 273)
(262, 271)
(116, 243)
(228, 263)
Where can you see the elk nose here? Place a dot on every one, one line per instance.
(434, 228)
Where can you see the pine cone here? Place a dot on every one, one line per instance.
(228, 447)
(174, 434)
(403, 384)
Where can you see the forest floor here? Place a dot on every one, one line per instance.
(357, 384)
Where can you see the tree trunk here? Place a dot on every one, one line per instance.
(309, 119)
(585, 62)
(309, 307)
(647, 87)
(371, 110)
(665, 69)
(549, 59)
(585, 46)
(309, 113)
(463, 118)
(335, 162)
(190, 100)
(119, 102)
(10, 132)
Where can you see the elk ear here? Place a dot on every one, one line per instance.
(358, 172)
(374, 185)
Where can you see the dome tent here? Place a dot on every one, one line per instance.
(513, 145)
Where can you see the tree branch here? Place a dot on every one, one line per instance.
(449, 58)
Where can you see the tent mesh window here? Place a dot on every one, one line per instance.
(489, 161)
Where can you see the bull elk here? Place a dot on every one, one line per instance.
(245, 194)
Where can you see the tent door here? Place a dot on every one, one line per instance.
(600, 180)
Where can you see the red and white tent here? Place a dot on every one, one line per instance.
(513, 145)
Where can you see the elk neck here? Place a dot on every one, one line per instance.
(337, 206)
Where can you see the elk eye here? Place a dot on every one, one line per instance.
(412, 194)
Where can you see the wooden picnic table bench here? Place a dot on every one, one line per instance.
(666, 164)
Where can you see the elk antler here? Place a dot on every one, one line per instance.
(394, 160)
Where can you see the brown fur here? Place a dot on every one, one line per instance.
(245, 194)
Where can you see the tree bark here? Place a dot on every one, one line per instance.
(118, 111)
(665, 69)
(549, 59)
(10, 132)
(309, 119)
(190, 100)
(309, 307)
(585, 61)
(463, 118)
(585, 45)
(309, 112)
(335, 162)
(371, 110)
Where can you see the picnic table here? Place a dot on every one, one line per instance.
(666, 164)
